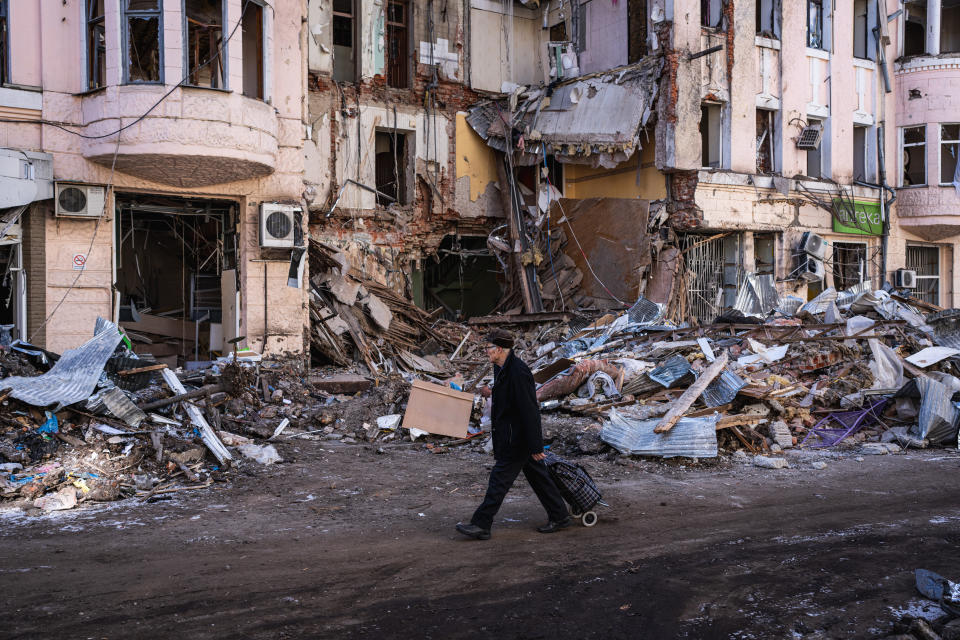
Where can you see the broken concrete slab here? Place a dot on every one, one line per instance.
(379, 311)
(879, 448)
(770, 463)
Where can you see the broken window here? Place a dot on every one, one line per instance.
(558, 32)
(711, 13)
(253, 69)
(398, 58)
(949, 151)
(815, 38)
(915, 28)
(96, 45)
(391, 163)
(344, 54)
(815, 156)
(849, 264)
(142, 50)
(636, 30)
(925, 261)
(950, 26)
(860, 154)
(763, 253)
(914, 154)
(203, 24)
(711, 135)
(768, 19)
(863, 45)
(767, 140)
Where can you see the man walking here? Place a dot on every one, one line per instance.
(517, 442)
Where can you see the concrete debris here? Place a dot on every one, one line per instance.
(770, 463)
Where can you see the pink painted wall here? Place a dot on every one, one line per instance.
(190, 122)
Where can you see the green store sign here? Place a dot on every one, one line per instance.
(865, 219)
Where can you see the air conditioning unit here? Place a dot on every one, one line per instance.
(563, 60)
(812, 244)
(811, 269)
(809, 138)
(905, 279)
(279, 225)
(75, 200)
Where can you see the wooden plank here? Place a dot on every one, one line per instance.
(130, 372)
(737, 421)
(438, 409)
(161, 326)
(207, 434)
(521, 318)
(692, 393)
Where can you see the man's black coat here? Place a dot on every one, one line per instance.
(515, 413)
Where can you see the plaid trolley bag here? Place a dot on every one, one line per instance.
(577, 488)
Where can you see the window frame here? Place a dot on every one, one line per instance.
(867, 32)
(776, 19)
(262, 61)
(125, 15)
(92, 61)
(938, 264)
(355, 20)
(224, 53)
(903, 147)
(818, 151)
(706, 6)
(705, 108)
(404, 81)
(822, 46)
(941, 144)
(771, 141)
(4, 42)
(849, 245)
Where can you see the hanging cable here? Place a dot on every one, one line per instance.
(563, 304)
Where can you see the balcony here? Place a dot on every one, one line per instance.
(194, 138)
(933, 213)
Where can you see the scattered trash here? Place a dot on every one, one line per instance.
(264, 454)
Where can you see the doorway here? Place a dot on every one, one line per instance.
(176, 276)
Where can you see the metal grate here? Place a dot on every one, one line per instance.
(926, 262)
(717, 273)
(810, 138)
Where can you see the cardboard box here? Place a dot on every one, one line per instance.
(438, 409)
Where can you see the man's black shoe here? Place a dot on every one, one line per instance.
(552, 526)
(473, 531)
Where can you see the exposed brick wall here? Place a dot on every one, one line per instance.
(35, 265)
(685, 215)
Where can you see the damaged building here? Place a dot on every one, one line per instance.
(153, 173)
(476, 158)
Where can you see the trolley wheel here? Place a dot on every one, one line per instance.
(589, 518)
(575, 512)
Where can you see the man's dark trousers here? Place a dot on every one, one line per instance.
(504, 473)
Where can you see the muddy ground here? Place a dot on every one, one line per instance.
(343, 542)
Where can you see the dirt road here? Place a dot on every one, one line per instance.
(343, 542)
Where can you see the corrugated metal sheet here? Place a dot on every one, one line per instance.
(937, 421)
(671, 370)
(723, 389)
(789, 305)
(645, 311)
(757, 296)
(691, 437)
(946, 327)
(117, 403)
(821, 302)
(847, 296)
(74, 377)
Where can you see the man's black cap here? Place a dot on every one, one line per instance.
(500, 338)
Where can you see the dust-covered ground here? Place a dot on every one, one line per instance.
(341, 541)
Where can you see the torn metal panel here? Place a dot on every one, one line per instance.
(207, 434)
(821, 302)
(847, 296)
(931, 355)
(118, 404)
(723, 389)
(74, 377)
(612, 232)
(937, 421)
(690, 437)
(758, 296)
(946, 327)
(789, 305)
(671, 370)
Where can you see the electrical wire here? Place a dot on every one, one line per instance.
(63, 126)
